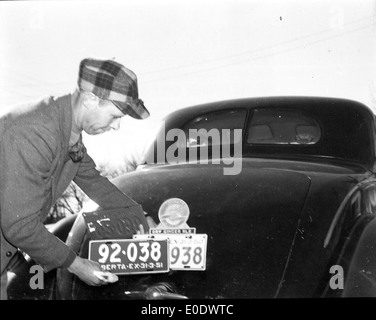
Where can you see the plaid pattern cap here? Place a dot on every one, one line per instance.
(109, 80)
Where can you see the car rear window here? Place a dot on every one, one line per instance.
(282, 126)
(222, 123)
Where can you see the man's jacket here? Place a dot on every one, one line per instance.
(35, 169)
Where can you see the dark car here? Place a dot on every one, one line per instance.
(283, 188)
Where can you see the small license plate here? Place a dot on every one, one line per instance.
(130, 256)
(186, 252)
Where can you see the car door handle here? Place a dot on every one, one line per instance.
(159, 291)
(154, 295)
(167, 296)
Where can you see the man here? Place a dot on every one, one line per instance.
(41, 152)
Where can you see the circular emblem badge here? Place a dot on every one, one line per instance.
(174, 213)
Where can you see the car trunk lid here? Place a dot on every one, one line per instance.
(251, 220)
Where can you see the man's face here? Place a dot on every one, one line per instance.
(101, 117)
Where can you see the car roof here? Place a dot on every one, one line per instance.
(273, 101)
(348, 126)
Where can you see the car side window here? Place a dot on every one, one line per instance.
(362, 202)
(282, 126)
(344, 219)
(352, 211)
(369, 200)
(214, 129)
(355, 209)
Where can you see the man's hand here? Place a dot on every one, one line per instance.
(91, 273)
(150, 222)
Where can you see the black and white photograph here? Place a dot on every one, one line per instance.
(194, 152)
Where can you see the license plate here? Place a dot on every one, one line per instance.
(130, 256)
(117, 223)
(186, 252)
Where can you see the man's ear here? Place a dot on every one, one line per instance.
(90, 100)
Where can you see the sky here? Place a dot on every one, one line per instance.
(189, 52)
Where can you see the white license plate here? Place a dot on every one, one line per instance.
(131, 256)
(186, 252)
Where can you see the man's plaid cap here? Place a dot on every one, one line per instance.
(109, 80)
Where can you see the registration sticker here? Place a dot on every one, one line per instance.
(186, 252)
(131, 256)
(172, 231)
